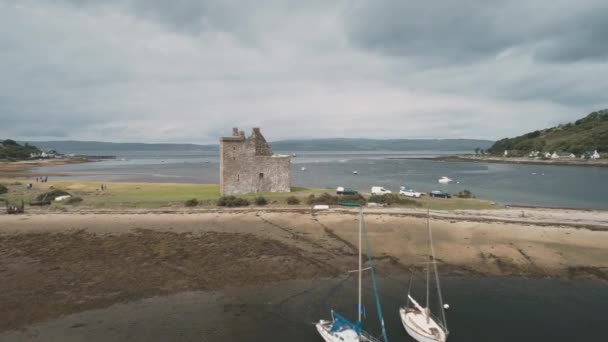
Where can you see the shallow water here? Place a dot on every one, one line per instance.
(537, 185)
(482, 309)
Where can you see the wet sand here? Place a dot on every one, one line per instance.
(58, 264)
(23, 168)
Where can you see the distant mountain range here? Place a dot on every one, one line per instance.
(343, 144)
(84, 147)
(585, 135)
(337, 144)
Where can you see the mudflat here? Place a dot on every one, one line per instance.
(60, 263)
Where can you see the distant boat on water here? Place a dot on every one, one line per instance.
(355, 172)
(445, 180)
(303, 168)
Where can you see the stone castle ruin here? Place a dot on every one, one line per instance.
(248, 165)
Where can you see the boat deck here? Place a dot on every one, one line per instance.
(363, 337)
(418, 322)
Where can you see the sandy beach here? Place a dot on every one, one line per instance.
(71, 262)
(11, 169)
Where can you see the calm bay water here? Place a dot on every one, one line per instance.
(537, 185)
(482, 310)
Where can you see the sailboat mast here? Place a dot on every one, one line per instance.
(428, 266)
(374, 284)
(445, 322)
(360, 262)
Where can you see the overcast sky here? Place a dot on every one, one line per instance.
(190, 70)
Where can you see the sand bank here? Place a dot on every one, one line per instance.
(65, 263)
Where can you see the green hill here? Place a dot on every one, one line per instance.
(334, 144)
(587, 134)
(10, 149)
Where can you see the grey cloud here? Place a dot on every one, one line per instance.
(467, 31)
(577, 38)
(247, 20)
(187, 71)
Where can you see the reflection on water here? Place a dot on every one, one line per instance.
(539, 185)
(482, 309)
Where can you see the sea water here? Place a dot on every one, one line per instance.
(535, 185)
(481, 310)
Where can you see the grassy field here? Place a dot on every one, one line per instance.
(144, 195)
(157, 195)
(453, 203)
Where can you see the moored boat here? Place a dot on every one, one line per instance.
(418, 321)
(339, 328)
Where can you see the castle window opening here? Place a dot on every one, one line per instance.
(261, 175)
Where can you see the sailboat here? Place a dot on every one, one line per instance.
(418, 321)
(339, 328)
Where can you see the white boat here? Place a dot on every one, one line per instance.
(303, 168)
(355, 172)
(445, 180)
(339, 328)
(418, 321)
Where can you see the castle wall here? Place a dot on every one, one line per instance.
(243, 170)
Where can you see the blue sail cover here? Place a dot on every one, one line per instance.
(341, 322)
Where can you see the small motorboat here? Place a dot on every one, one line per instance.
(303, 168)
(355, 172)
(445, 180)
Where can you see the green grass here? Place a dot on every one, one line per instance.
(436, 203)
(144, 195)
(157, 195)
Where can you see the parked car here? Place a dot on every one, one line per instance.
(409, 192)
(345, 191)
(437, 193)
(378, 190)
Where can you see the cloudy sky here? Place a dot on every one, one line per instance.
(189, 70)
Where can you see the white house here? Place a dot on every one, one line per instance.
(47, 155)
(558, 155)
(534, 154)
(595, 155)
(506, 154)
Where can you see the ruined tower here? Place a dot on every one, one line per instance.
(248, 165)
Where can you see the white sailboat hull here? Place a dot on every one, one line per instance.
(415, 323)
